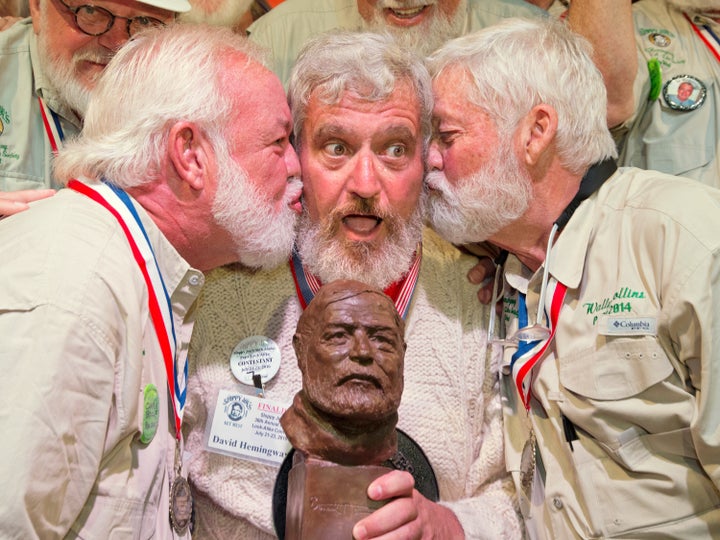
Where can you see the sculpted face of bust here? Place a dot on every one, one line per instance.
(350, 349)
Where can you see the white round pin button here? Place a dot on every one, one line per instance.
(255, 355)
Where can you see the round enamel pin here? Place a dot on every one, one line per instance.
(684, 93)
(659, 40)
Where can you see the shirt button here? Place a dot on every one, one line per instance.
(194, 280)
(557, 503)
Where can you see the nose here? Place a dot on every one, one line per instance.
(292, 162)
(364, 180)
(360, 351)
(434, 157)
(116, 37)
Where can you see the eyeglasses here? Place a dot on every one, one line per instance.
(96, 21)
(535, 332)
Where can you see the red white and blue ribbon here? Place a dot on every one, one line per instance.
(529, 352)
(119, 204)
(51, 121)
(307, 285)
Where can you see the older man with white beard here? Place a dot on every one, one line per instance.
(678, 45)
(610, 289)
(49, 63)
(98, 283)
(424, 25)
(361, 107)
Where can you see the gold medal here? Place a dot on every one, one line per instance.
(181, 505)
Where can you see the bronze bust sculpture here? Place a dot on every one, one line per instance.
(350, 349)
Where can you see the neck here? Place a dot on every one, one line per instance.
(193, 239)
(527, 238)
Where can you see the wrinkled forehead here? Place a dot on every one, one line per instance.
(397, 114)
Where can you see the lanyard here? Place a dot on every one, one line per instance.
(707, 36)
(529, 352)
(51, 121)
(401, 291)
(118, 203)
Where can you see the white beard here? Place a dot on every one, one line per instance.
(262, 238)
(425, 38)
(377, 265)
(62, 75)
(482, 204)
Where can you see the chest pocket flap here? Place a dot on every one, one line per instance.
(621, 368)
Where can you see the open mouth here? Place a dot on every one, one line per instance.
(407, 13)
(361, 224)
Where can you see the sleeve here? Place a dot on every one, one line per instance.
(55, 396)
(695, 328)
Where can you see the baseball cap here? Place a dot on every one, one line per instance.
(179, 6)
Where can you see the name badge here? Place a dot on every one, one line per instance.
(248, 427)
(628, 326)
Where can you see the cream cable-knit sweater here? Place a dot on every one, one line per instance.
(450, 404)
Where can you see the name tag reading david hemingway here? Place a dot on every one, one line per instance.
(248, 427)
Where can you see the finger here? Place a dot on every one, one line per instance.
(391, 518)
(26, 195)
(8, 208)
(483, 271)
(392, 484)
(484, 295)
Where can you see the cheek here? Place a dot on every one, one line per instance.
(404, 191)
(321, 190)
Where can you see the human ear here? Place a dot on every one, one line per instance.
(190, 151)
(537, 132)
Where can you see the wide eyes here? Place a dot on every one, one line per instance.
(396, 151)
(336, 149)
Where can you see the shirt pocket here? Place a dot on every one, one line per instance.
(621, 368)
(677, 142)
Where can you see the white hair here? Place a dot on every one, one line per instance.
(158, 78)
(364, 63)
(520, 63)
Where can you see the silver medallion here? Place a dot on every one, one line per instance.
(181, 505)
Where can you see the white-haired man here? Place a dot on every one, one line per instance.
(610, 318)
(98, 283)
(49, 63)
(361, 106)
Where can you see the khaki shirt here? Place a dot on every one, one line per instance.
(78, 349)
(634, 366)
(25, 150)
(683, 143)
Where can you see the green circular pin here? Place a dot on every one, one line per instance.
(151, 413)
